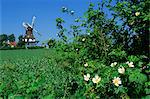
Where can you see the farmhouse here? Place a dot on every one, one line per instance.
(12, 44)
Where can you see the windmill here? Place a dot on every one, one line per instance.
(29, 38)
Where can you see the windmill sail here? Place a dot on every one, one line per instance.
(25, 25)
(37, 32)
(33, 20)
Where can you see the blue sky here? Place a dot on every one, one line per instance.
(14, 12)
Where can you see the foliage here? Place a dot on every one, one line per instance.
(20, 42)
(99, 62)
(51, 43)
(40, 77)
(33, 74)
(59, 25)
(11, 38)
(133, 78)
(134, 15)
(103, 59)
(3, 39)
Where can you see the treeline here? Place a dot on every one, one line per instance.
(9, 41)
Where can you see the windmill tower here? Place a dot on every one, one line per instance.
(29, 38)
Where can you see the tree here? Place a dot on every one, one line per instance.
(3, 38)
(20, 42)
(51, 43)
(11, 38)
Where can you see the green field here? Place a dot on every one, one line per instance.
(32, 73)
(23, 53)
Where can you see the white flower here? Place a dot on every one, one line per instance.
(72, 12)
(96, 79)
(137, 13)
(87, 77)
(77, 49)
(130, 64)
(86, 64)
(83, 39)
(113, 64)
(116, 81)
(121, 70)
(64, 8)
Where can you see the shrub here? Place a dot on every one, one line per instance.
(101, 62)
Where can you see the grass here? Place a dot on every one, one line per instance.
(23, 53)
(32, 73)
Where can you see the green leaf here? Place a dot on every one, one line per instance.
(137, 77)
(133, 6)
(147, 90)
(2, 86)
(133, 58)
(146, 97)
(50, 96)
(140, 64)
(121, 89)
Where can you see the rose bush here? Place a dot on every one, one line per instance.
(103, 59)
(97, 79)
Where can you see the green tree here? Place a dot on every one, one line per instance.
(3, 39)
(51, 43)
(11, 38)
(20, 42)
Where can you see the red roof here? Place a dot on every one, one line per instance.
(12, 43)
